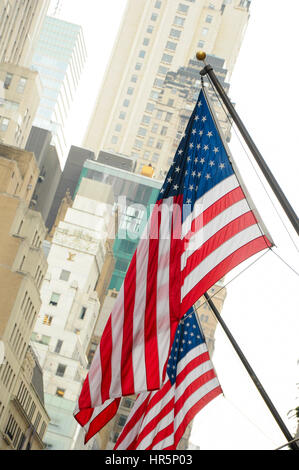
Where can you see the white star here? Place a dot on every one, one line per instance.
(209, 134)
(208, 176)
(193, 131)
(204, 119)
(200, 133)
(206, 147)
(196, 159)
(188, 201)
(169, 180)
(196, 118)
(191, 187)
(162, 190)
(202, 161)
(199, 104)
(177, 169)
(180, 152)
(175, 187)
(221, 166)
(216, 149)
(191, 145)
(193, 173)
(198, 146)
(211, 163)
(189, 159)
(199, 174)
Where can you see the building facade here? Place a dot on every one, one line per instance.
(23, 418)
(20, 93)
(59, 57)
(157, 37)
(20, 25)
(70, 308)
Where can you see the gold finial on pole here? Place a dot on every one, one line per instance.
(201, 55)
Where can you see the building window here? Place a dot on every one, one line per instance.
(21, 85)
(155, 128)
(134, 78)
(64, 275)
(163, 130)
(122, 420)
(142, 131)
(158, 4)
(154, 17)
(209, 19)
(175, 33)
(158, 82)
(114, 139)
(170, 102)
(150, 29)
(60, 392)
(183, 8)
(122, 115)
(141, 54)
(168, 117)
(138, 144)
(146, 41)
(47, 320)
(54, 299)
(155, 157)
(130, 91)
(4, 123)
(150, 107)
(201, 44)
(159, 144)
(205, 31)
(146, 155)
(150, 142)
(179, 21)
(58, 346)
(138, 66)
(163, 70)
(154, 95)
(171, 45)
(146, 119)
(126, 103)
(60, 370)
(7, 81)
(167, 58)
(83, 313)
(118, 127)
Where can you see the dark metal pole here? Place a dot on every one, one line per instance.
(250, 371)
(256, 153)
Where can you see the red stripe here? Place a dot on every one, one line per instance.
(223, 268)
(153, 423)
(127, 372)
(84, 404)
(102, 419)
(215, 209)
(225, 233)
(192, 387)
(197, 361)
(150, 317)
(161, 435)
(133, 420)
(105, 355)
(192, 412)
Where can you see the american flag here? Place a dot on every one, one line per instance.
(158, 419)
(201, 227)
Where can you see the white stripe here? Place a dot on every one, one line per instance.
(193, 399)
(138, 319)
(117, 320)
(96, 412)
(95, 379)
(208, 199)
(168, 441)
(162, 305)
(208, 230)
(218, 255)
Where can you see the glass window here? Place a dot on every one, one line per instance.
(58, 346)
(155, 128)
(209, 19)
(138, 143)
(126, 103)
(158, 4)
(60, 392)
(138, 66)
(54, 299)
(114, 139)
(142, 131)
(167, 58)
(150, 29)
(158, 83)
(83, 313)
(122, 115)
(171, 45)
(64, 275)
(159, 144)
(146, 41)
(163, 70)
(150, 107)
(60, 370)
(168, 117)
(118, 127)
(154, 17)
(141, 54)
(146, 119)
(179, 21)
(130, 91)
(146, 155)
(21, 85)
(201, 44)
(154, 95)
(163, 130)
(205, 31)
(175, 33)
(7, 81)
(150, 142)
(183, 8)
(134, 78)
(4, 123)
(47, 320)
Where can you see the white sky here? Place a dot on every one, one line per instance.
(261, 308)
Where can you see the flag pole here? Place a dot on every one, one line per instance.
(253, 376)
(208, 70)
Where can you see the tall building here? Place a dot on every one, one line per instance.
(20, 25)
(59, 57)
(157, 37)
(20, 93)
(23, 418)
(70, 307)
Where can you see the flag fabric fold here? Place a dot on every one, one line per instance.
(201, 227)
(158, 419)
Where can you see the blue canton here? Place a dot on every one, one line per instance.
(200, 161)
(188, 336)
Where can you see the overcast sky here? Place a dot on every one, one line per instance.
(261, 308)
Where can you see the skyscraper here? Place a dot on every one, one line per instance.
(20, 24)
(59, 57)
(157, 37)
